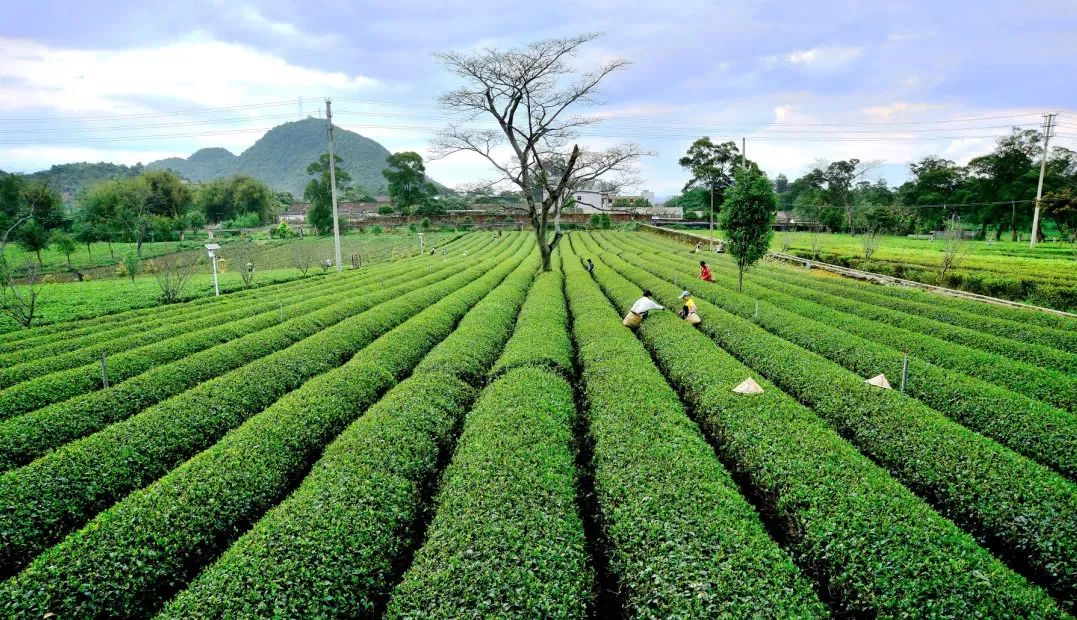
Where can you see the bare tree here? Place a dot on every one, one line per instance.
(302, 257)
(953, 249)
(173, 272)
(528, 92)
(20, 300)
(245, 257)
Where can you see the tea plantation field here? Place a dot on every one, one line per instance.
(463, 435)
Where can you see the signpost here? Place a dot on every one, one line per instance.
(210, 247)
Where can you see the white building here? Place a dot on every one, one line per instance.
(588, 201)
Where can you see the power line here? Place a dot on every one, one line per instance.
(145, 114)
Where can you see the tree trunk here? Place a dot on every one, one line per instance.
(89, 254)
(39, 263)
(545, 253)
(111, 252)
(1013, 221)
(983, 228)
(740, 279)
(138, 247)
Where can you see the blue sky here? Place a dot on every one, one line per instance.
(132, 81)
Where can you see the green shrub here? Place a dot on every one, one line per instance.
(972, 480)
(1037, 430)
(28, 436)
(44, 500)
(506, 537)
(358, 543)
(540, 336)
(377, 230)
(711, 557)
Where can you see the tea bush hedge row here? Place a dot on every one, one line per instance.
(42, 501)
(537, 341)
(333, 547)
(133, 556)
(1037, 430)
(186, 339)
(63, 351)
(1045, 384)
(15, 340)
(1013, 504)
(877, 549)
(28, 436)
(682, 542)
(506, 540)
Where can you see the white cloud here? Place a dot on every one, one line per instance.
(898, 109)
(826, 57)
(255, 20)
(196, 70)
(33, 158)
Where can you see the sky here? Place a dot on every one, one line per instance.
(888, 82)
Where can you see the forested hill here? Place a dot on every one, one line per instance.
(280, 158)
(69, 179)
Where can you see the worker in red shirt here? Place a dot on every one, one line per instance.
(705, 272)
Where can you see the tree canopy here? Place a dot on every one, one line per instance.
(319, 194)
(747, 218)
(405, 175)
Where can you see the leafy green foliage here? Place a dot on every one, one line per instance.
(971, 479)
(319, 193)
(747, 219)
(711, 557)
(405, 175)
(227, 199)
(508, 495)
(880, 550)
(51, 492)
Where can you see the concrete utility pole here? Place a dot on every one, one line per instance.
(333, 185)
(743, 153)
(1048, 124)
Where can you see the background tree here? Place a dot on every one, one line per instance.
(747, 219)
(837, 179)
(405, 175)
(356, 193)
(19, 300)
(33, 238)
(712, 167)
(64, 244)
(630, 204)
(530, 92)
(85, 233)
(319, 194)
(23, 202)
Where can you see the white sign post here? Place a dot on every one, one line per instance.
(210, 247)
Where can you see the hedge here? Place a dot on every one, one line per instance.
(1037, 430)
(539, 339)
(183, 339)
(711, 556)
(354, 515)
(65, 352)
(11, 341)
(42, 501)
(130, 559)
(506, 539)
(877, 549)
(58, 344)
(28, 436)
(1015, 505)
(1045, 384)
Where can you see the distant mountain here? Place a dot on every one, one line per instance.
(70, 179)
(280, 158)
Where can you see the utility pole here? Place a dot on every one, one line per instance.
(712, 218)
(743, 153)
(1048, 124)
(333, 184)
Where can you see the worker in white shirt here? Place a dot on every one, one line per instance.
(640, 309)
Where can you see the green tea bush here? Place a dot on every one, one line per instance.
(387, 458)
(878, 550)
(972, 480)
(44, 500)
(711, 557)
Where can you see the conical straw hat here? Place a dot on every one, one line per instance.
(879, 381)
(748, 386)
